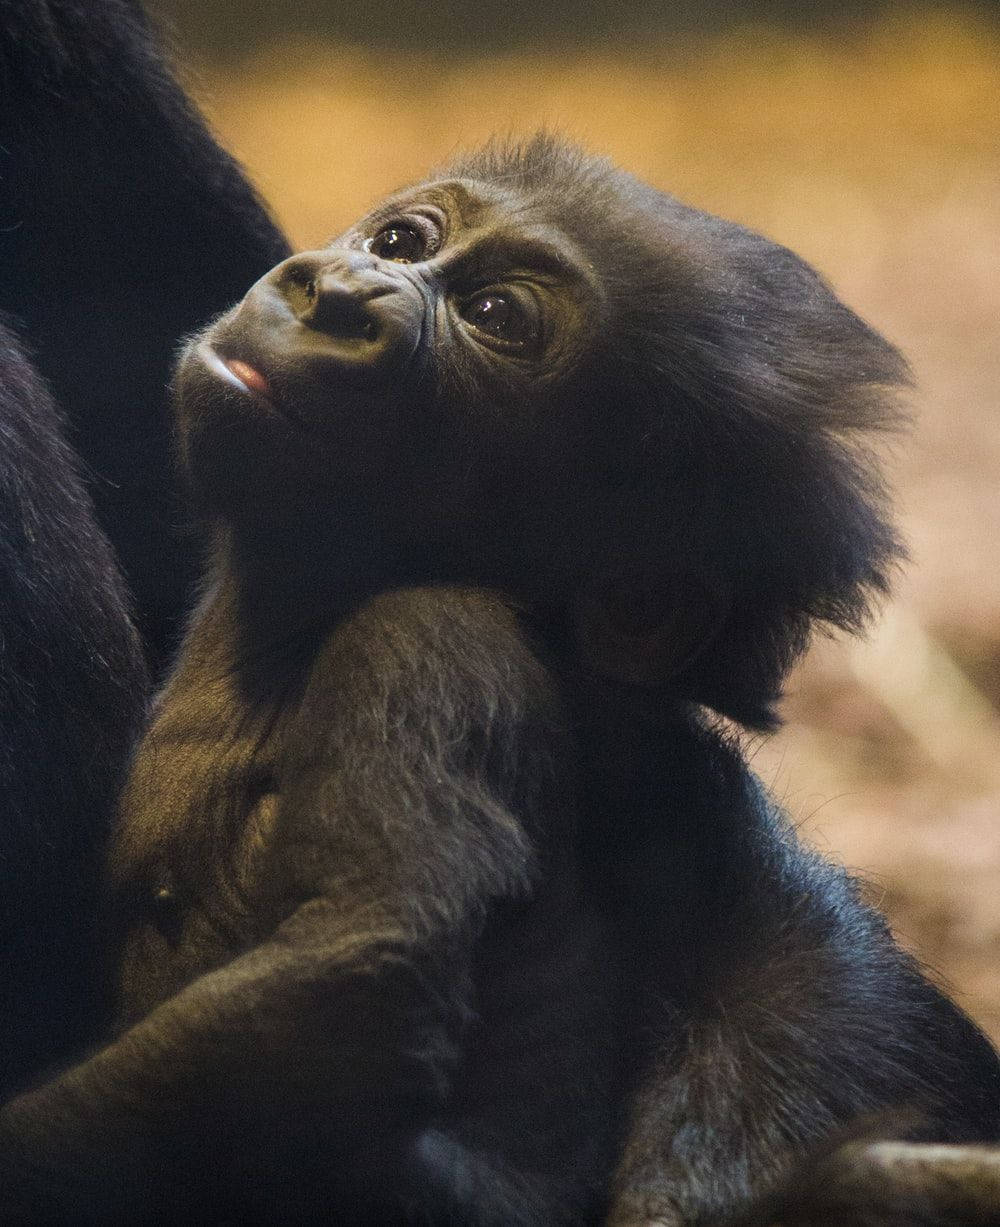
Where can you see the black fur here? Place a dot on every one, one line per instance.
(771, 1005)
(123, 226)
(755, 393)
(431, 899)
(72, 700)
(416, 1023)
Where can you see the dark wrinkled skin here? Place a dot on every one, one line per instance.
(438, 904)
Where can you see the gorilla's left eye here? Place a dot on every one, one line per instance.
(401, 243)
(502, 317)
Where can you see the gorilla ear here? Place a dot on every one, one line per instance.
(644, 635)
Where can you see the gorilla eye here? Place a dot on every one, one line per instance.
(501, 317)
(400, 243)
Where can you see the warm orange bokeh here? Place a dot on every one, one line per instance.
(876, 154)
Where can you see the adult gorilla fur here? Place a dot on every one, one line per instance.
(72, 702)
(122, 226)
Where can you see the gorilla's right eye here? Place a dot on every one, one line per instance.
(399, 242)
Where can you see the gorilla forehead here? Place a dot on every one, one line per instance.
(576, 188)
(675, 278)
(727, 316)
(621, 224)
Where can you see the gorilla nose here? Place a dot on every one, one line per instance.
(337, 297)
(334, 306)
(358, 317)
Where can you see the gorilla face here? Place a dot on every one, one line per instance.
(538, 374)
(425, 363)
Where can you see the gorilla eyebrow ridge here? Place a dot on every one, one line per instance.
(508, 251)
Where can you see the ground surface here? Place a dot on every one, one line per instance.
(876, 154)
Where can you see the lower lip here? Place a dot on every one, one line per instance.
(239, 375)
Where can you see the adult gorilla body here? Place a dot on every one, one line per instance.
(72, 703)
(365, 900)
(122, 226)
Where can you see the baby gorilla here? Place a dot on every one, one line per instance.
(439, 905)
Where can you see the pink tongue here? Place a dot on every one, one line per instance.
(249, 375)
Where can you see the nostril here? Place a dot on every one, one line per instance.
(339, 306)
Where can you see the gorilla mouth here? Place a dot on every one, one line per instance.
(249, 377)
(237, 373)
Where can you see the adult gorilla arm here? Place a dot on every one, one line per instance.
(72, 700)
(887, 1184)
(123, 226)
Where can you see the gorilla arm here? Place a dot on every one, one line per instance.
(312, 1065)
(315, 1047)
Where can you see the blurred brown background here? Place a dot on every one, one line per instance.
(866, 138)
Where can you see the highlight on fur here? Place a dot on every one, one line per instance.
(887, 1184)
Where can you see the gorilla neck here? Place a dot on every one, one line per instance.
(276, 584)
(280, 579)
